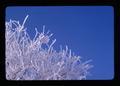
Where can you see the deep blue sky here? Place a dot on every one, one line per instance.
(87, 30)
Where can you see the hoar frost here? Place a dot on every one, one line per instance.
(27, 59)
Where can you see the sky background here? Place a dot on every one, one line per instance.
(87, 30)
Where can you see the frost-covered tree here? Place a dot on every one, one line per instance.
(27, 59)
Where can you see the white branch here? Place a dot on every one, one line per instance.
(23, 23)
(51, 44)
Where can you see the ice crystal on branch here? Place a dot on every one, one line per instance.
(27, 59)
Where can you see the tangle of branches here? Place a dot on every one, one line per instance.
(27, 59)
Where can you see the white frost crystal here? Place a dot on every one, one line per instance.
(27, 59)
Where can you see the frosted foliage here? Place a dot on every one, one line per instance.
(27, 59)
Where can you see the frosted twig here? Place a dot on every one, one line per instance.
(51, 44)
(23, 23)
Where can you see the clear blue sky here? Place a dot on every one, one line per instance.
(87, 30)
